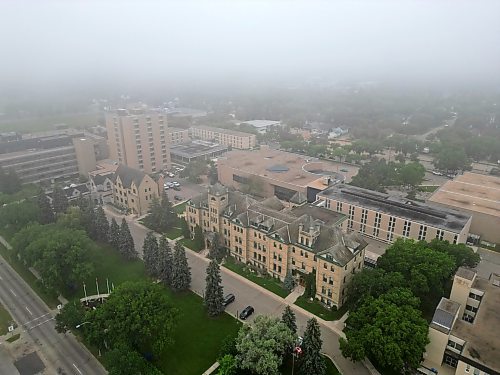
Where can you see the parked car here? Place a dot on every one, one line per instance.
(247, 311)
(178, 198)
(171, 175)
(177, 188)
(228, 299)
(175, 183)
(344, 170)
(436, 173)
(166, 187)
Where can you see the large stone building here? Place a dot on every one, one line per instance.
(267, 172)
(138, 138)
(387, 218)
(134, 190)
(277, 240)
(50, 157)
(464, 330)
(479, 196)
(226, 137)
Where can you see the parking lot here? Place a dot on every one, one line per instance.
(187, 189)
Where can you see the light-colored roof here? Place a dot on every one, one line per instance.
(444, 315)
(223, 131)
(471, 191)
(261, 123)
(465, 273)
(258, 162)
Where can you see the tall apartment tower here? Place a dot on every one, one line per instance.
(138, 138)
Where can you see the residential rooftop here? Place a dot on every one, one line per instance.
(425, 213)
(471, 191)
(482, 341)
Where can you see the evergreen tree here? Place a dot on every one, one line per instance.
(154, 218)
(289, 282)
(165, 262)
(126, 247)
(199, 240)
(59, 200)
(312, 361)
(181, 273)
(186, 233)
(288, 318)
(150, 253)
(168, 216)
(114, 234)
(216, 251)
(46, 213)
(214, 297)
(101, 224)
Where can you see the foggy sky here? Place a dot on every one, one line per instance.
(82, 42)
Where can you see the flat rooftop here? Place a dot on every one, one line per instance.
(34, 151)
(481, 337)
(471, 191)
(425, 213)
(261, 123)
(277, 165)
(224, 131)
(192, 150)
(444, 316)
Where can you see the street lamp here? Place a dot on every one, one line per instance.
(81, 324)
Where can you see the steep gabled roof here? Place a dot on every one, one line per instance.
(128, 175)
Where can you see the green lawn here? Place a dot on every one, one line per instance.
(173, 233)
(78, 120)
(319, 310)
(28, 191)
(190, 244)
(427, 188)
(109, 264)
(264, 281)
(197, 337)
(48, 296)
(180, 208)
(286, 368)
(5, 320)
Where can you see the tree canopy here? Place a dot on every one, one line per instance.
(261, 346)
(389, 329)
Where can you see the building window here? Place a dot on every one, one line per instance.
(422, 233)
(455, 345)
(440, 234)
(339, 206)
(406, 228)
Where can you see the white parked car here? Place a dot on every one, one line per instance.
(175, 183)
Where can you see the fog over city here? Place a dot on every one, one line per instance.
(89, 43)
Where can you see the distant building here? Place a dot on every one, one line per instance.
(337, 132)
(278, 173)
(263, 126)
(196, 150)
(134, 189)
(139, 139)
(477, 195)
(178, 135)
(386, 217)
(73, 192)
(186, 112)
(226, 137)
(53, 156)
(277, 240)
(463, 332)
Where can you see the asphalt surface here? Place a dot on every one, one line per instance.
(62, 352)
(248, 293)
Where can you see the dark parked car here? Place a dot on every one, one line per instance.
(176, 188)
(228, 299)
(177, 197)
(247, 311)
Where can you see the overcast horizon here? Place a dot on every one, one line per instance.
(52, 44)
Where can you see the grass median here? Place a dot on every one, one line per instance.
(266, 282)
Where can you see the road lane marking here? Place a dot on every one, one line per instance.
(32, 320)
(15, 295)
(29, 310)
(77, 369)
(39, 324)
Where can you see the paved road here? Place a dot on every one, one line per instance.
(63, 352)
(248, 293)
